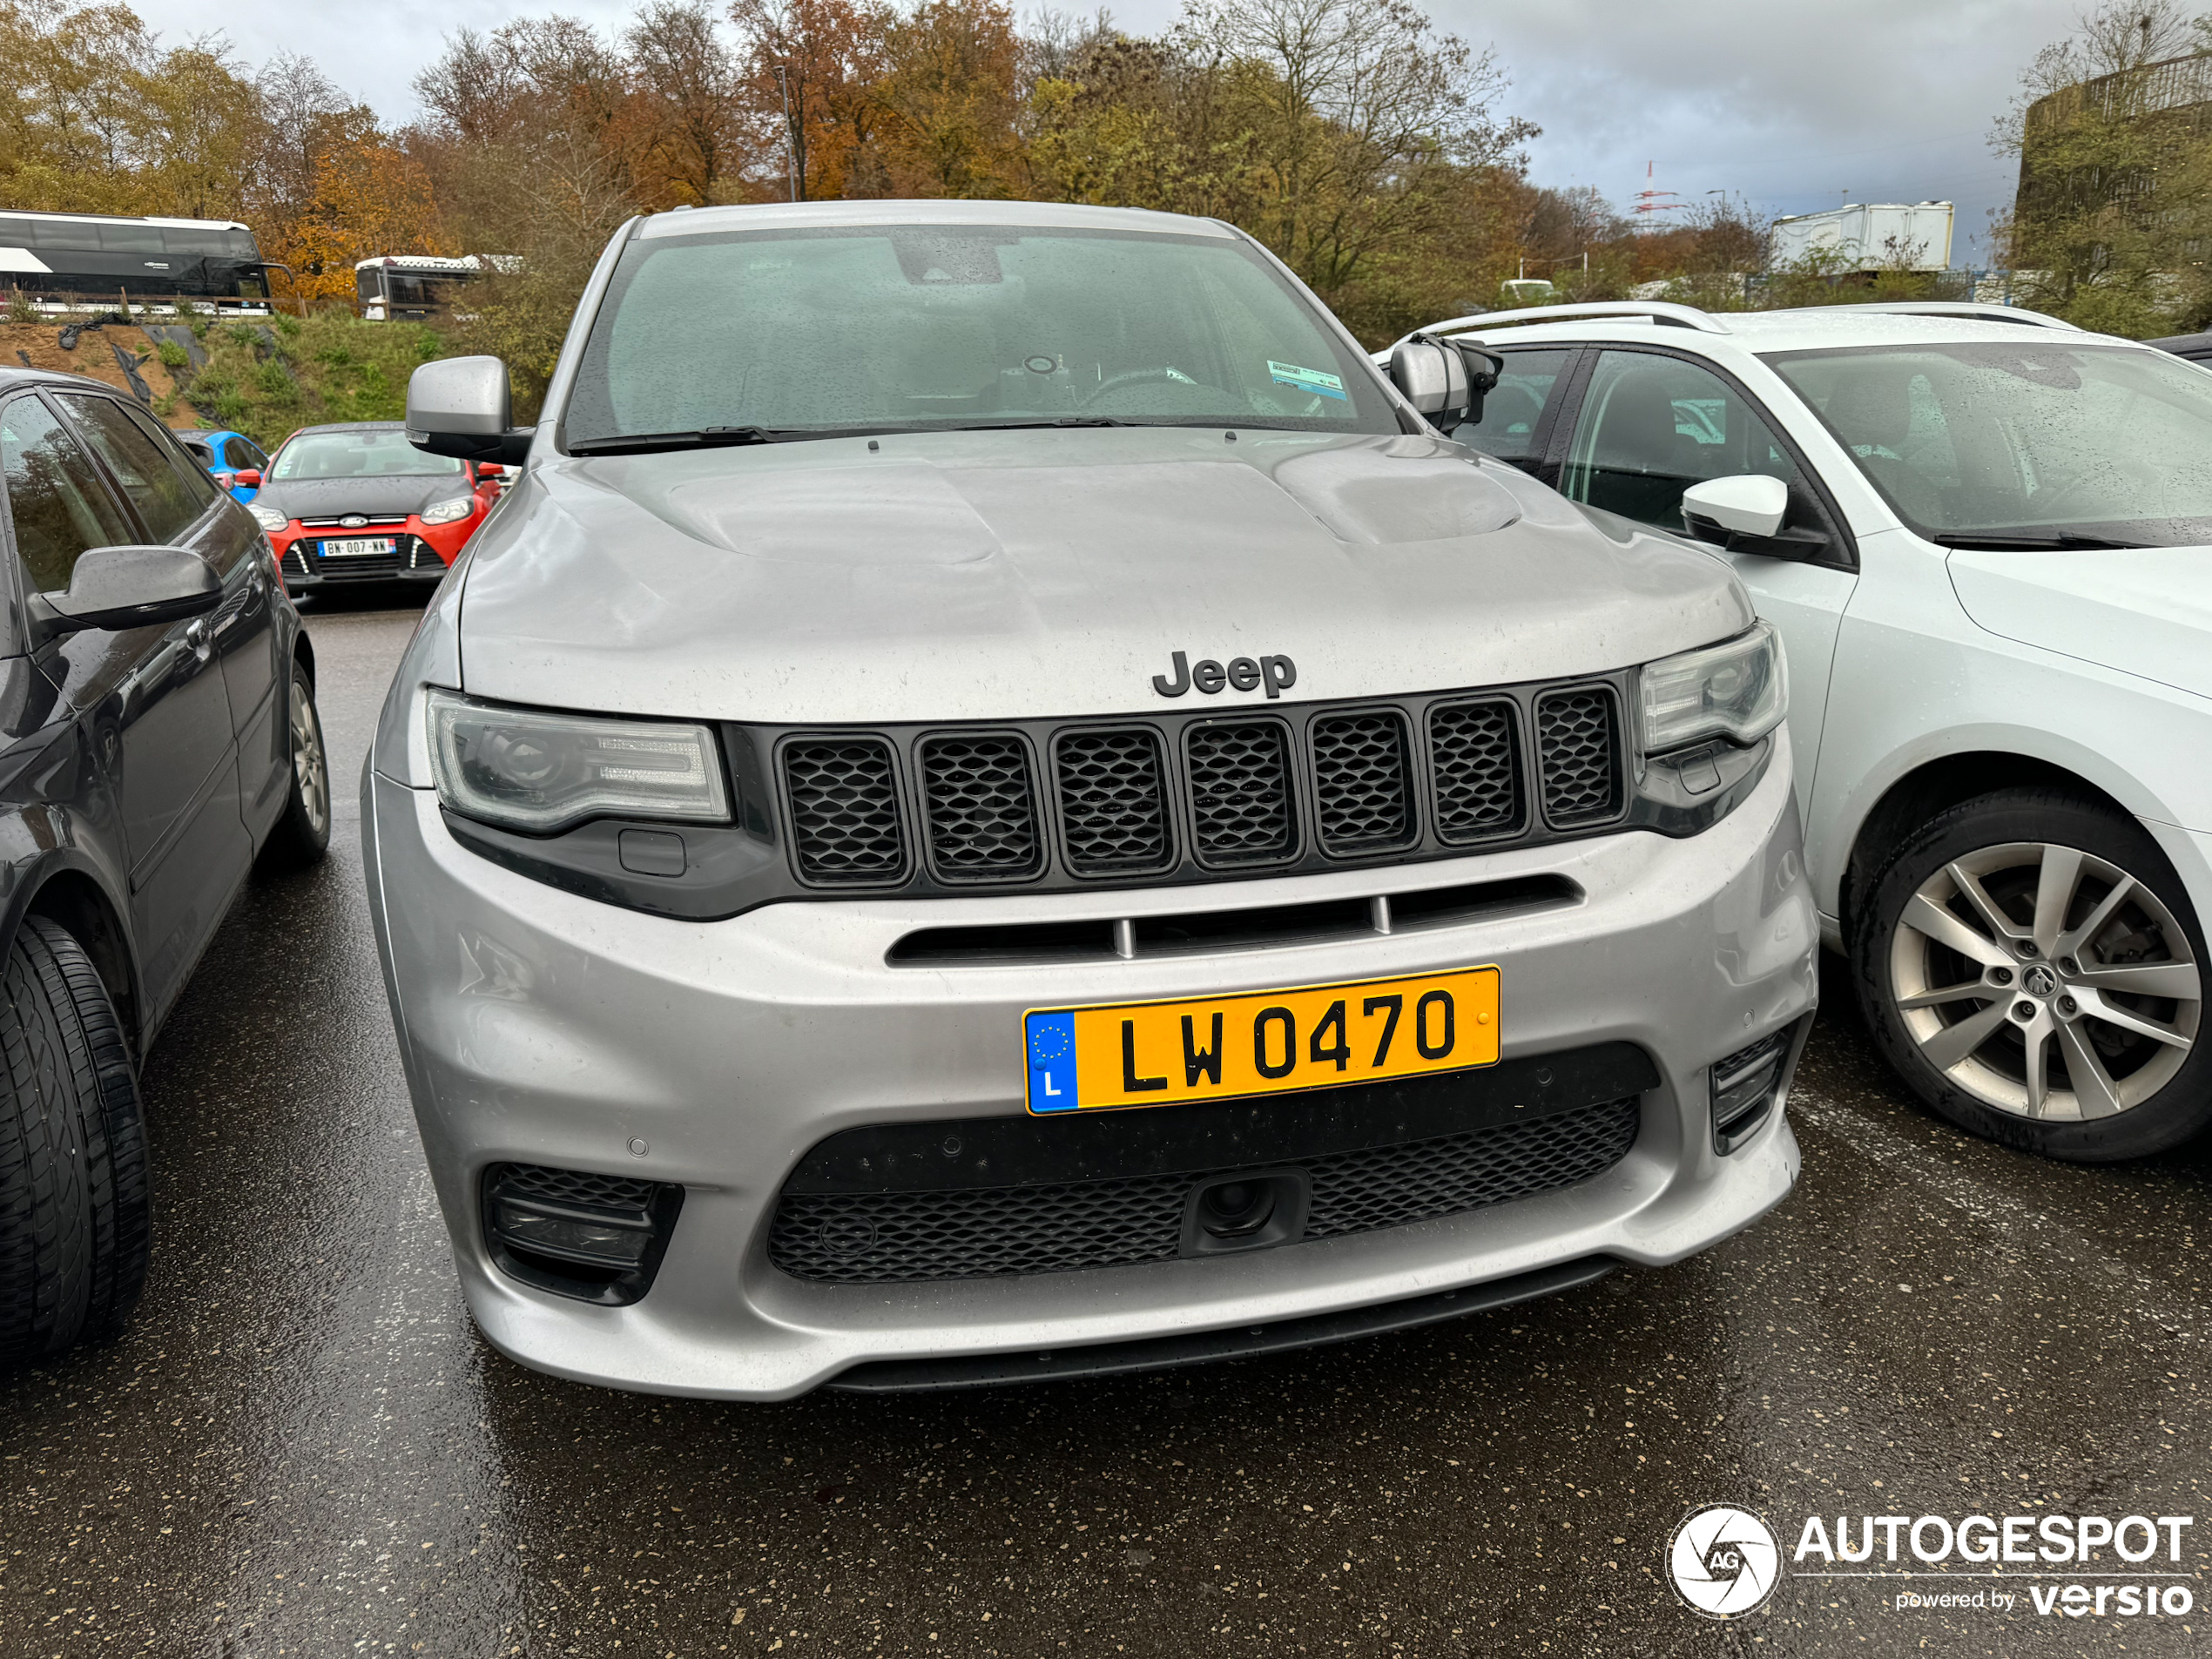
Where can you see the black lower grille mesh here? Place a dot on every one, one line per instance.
(982, 815)
(1112, 808)
(844, 810)
(571, 1186)
(976, 1232)
(1472, 753)
(1580, 756)
(1240, 792)
(1361, 783)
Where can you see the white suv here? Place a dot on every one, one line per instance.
(1985, 538)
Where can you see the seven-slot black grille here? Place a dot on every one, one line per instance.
(1240, 792)
(1581, 755)
(982, 811)
(843, 798)
(1189, 794)
(1113, 805)
(1361, 781)
(974, 1232)
(1474, 755)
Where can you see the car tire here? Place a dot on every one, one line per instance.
(2033, 924)
(74, 1220)
(302, 834)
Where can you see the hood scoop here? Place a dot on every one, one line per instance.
(1417, 493)
(885, 514)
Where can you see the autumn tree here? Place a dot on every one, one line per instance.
(691, 140)
(823, 59)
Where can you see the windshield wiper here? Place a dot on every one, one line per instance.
(1026, 426)
(706, 437)
(1996, 542)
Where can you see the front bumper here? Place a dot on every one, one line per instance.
(543, 1028)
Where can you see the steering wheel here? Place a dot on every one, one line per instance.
(1138, 377)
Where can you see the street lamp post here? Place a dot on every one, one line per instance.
(791, 135)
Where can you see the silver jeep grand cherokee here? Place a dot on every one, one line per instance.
(995, 803)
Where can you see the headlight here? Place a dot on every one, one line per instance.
(446, 512)
(267, 517)
(539, 770)
(1738, 690)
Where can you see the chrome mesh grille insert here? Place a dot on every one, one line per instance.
(977, 1232)
(982, 810)
(1579, 754)
(844, 810)
(1113, 811)
(1476, 764)
(1240, 792)
(1362, 785)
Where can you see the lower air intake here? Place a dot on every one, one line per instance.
(1065, 1227)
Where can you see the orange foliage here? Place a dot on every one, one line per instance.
(369, 198)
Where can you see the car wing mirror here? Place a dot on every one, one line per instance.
(1445, 380)
(460, 407)
(130, 587)
(247, 478)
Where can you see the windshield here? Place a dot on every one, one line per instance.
(2036, 441)
(358, 455)
(887, 328)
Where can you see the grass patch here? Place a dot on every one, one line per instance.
(268, 380)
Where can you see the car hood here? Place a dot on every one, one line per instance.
(2142, 610)
(376, 497)
(999, 575)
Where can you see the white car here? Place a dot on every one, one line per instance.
(1985, 538)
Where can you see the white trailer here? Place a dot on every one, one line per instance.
(1870, 236)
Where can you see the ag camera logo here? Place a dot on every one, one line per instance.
(1723, 1561)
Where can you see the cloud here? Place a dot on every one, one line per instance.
(1795, 107)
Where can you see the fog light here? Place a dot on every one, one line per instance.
(596, 1238)
(601, 1241)
(1745, 1085)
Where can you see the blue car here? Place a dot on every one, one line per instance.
(226, 455)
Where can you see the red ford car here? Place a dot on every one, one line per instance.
(359, 503)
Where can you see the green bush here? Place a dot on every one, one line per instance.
(171, 354)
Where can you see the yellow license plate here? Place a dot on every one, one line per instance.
(1263, 1042)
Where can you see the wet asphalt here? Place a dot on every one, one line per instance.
(302, 1448)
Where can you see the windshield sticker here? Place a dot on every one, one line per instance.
(1307, 380)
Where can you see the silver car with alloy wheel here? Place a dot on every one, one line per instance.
(996, 803)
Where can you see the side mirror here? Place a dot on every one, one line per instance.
(1432, 377)
(490, 469)
(247, 478)
(1749, 504)
(130, 587)
(1749, 514)
(1445, 380)
(460, 407)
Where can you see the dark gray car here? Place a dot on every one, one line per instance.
(158, 734)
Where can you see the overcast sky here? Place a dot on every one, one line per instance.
(1794, 105)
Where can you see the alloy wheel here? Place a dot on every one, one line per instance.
(309, 769)
(2045, 981)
